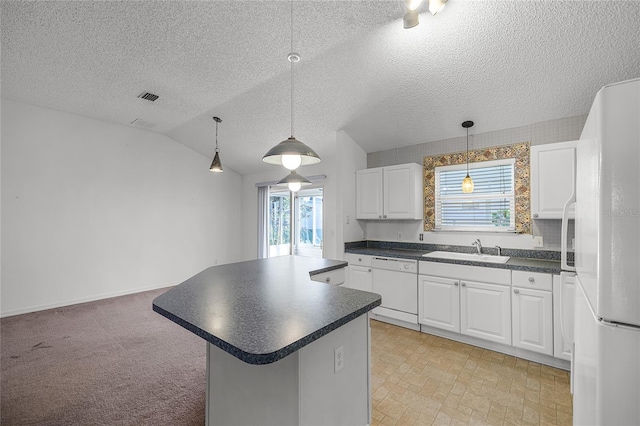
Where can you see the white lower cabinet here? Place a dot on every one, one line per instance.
(451, 301)
(533, 320)
(359, 278)
(485, 311)
(439, 300)
(532, 302)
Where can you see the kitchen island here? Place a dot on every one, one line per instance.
(281, 349)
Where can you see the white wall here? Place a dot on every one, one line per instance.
(92, 209)
(338, 197)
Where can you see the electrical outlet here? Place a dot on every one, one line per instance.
(421, 237)
(573, 244)
(537, 241)
(338, 359)
(399, 236)
(347, 219)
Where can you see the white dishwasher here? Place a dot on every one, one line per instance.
(396, 280)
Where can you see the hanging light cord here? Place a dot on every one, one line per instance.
(291, 59)
(217, 150)
(467, 151)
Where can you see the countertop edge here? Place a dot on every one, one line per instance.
(268, 358)
(342, 264)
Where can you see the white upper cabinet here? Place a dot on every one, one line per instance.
(393, 192)
(369, 194)
(552, 178)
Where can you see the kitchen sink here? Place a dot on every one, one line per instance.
(472, 257)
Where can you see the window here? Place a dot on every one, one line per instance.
(491, 206)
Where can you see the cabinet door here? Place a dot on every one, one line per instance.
(485, 311)
(563, 309)
(552, 178)
(399, 290)
(369, 194)
(359, 278)
(402, 192)
(439, 302)
(532, 320)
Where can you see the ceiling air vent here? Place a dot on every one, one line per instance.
(148, 96)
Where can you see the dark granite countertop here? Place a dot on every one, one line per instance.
(263, 310)
(550, 265)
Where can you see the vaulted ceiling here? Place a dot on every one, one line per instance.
(500, 63)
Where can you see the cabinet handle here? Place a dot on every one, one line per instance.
(455, 283)
(516, 291)
(463, 284)
(535, 215)
(385, 216)
(359, 259)
(328, 279)
(369, 270)
(531, 279)
(380, 217)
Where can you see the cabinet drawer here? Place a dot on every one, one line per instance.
(534, 280)
(335, 277)
(359, 259)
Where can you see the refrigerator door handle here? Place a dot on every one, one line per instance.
(565, 226)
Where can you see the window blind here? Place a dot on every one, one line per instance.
(491, 205)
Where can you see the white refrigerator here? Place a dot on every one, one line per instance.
(606, 353)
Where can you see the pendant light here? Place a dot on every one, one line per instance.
(291, 153)
(467, 183)
(216, 165)
(294, 181)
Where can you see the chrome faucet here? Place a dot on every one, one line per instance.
(478, 245)
(499, 250)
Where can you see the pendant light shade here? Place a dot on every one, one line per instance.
(216, 165)
(291, 153)
(294, 181)
(467, 182)
(436, 6)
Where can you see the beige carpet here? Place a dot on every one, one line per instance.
(111, 362)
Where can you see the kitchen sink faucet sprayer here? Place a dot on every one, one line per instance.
(478, 245)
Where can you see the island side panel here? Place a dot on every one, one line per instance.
(329, 397)
(241, 394)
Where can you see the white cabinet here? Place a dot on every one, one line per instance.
(360, 278)
(552, 178)
(360, 273)
(452, 298)
(563, 309)
(532, 305)
(485, 311)
(393, 192)
(335, 277)
(439, 302)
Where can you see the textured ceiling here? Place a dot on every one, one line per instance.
(500, 63)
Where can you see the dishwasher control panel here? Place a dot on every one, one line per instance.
(392, 264)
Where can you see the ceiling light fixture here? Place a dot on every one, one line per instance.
(294, 181)
(467, 182)
(411, 18)
(436, 6)
(291, 153)
(216, 165)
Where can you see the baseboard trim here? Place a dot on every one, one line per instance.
(61, 304)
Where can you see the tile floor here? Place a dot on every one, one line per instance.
(420, 379)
